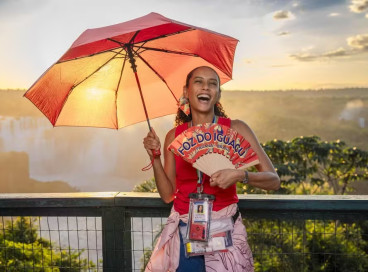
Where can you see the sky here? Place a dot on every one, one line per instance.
(309, 44)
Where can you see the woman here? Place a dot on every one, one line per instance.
(177, 178)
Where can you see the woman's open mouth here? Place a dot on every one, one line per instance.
(204, 97)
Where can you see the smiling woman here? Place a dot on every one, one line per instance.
(177, 179)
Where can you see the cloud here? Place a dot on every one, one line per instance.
(359, 42)
(359, 6)
(358, 45)
(304, 57)
(283, 14)
(340, 52)
(283, 33)
(334, 14)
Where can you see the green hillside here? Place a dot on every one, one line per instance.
(330, 114)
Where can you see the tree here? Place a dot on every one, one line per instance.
(22, 250)
(307, 245)
(307, 165)
(148, 186)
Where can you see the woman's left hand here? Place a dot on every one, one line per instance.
(225, 178)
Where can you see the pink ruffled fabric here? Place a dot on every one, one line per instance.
(165, 256)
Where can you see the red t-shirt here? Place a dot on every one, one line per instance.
(186, 181)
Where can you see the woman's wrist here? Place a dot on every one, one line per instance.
(246, 177)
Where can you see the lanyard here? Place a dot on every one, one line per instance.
(199, 173)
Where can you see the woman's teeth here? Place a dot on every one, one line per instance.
(203, 97)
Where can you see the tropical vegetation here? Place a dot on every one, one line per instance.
(307, 165)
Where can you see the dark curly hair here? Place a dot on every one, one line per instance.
(182, 118)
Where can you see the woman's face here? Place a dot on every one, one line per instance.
(203, 90)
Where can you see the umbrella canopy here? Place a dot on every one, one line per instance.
(93, 83)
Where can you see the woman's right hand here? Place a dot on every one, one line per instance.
(151, 142)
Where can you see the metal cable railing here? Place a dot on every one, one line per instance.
(117, 231)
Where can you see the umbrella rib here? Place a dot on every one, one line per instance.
(92, 55)
(168, 35)
(154, 49)
(168, 51)
(122, 44)
(99, 68)
(158, 76)
(74, 86)
(132, 39)
(139, 48)
(152, 39)
(116, 92)
(118, 53)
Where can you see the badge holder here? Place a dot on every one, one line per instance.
(200, 208)
(200, 237)
(219, 238)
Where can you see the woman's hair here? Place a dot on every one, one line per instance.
(182, 118)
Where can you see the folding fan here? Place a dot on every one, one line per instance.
(211, 147)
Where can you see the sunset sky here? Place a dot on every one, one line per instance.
(308, 44)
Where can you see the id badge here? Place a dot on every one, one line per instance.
(200, 208)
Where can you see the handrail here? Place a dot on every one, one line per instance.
(133, 199)
(117, 210)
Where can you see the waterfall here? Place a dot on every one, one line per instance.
(89, 159)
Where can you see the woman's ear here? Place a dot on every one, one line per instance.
(185, 92)
(218, 95)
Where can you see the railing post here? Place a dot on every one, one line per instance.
(116, 239)
(127, 240)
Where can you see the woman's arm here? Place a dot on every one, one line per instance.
(164, 175)
(266, 178)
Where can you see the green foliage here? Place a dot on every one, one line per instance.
(307, 165)
(148, 186)
(309, 245)
(22, 250)
(145, 258)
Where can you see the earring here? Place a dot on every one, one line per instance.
(184, 105)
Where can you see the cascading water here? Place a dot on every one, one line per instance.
(89, 159)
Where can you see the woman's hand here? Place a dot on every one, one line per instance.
(151, 142)
(227, 177)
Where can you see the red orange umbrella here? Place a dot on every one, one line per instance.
(126, 73)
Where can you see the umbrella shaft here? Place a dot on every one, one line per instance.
(134, 67)
(131, 58)
(144, 104)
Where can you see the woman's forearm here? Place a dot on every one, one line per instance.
(164, 176)
(264, 180)
(163, 183)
